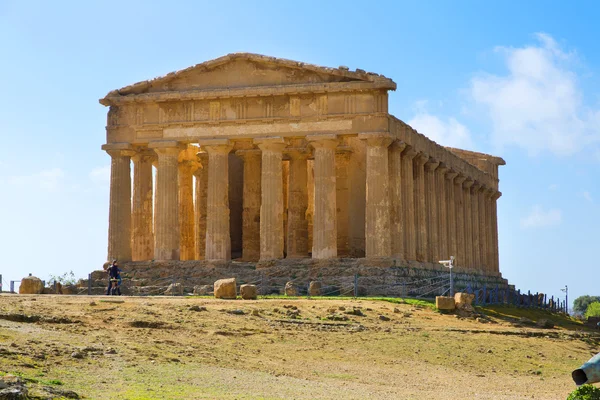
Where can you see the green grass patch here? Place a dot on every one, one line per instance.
(511, 312)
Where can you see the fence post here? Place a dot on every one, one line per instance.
(403, 288)
(355, 285)
(1, 287)
(484, 294)
(89, 284)
(12, 286)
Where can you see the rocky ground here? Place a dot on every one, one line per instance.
(180, 348)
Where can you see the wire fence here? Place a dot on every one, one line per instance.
(346, 286)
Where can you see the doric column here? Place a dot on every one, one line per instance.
(489, 252)
(468, 223)
(166, 229)
(142, 214)
(201, 188)
(440, 178)
(119, 213)
(342, 202)
(408, 199)
(396, 203)
(251, 204)
(460, 220)
(420, 206)
(474, 193)
(377, 216)
(218, 239)
(187, 166)
(271, 207)
(496, 253)
(451, 213)
(482, 228)
(324, 220)
(432, 218)
(297, 230)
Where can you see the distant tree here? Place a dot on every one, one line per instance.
(593, 310)
(68, 278)
(581, 303)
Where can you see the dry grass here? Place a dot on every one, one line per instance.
(164, 349)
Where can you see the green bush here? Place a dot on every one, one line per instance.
(585, 392)
(593, 310)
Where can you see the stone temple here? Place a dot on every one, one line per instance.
(252, 162)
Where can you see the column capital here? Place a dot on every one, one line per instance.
(144, 154)
(409, 152)
(376, 139)
(398, 145)
(468, 183)
(270, 144)
(496, 195)
(323, 141)
(119, 149)
(489, 192)
(451, 174)
(476, 186)
(442, 169)
(431, 164)
(297, 152)
(483, 189)
(216, 146)
(166, 147)
(422, 158)
(460, 178)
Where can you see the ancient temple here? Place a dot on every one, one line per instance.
(258, 158)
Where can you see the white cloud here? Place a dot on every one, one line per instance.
(100, 175)
(446, 133)
(48, 179)
(538, 217)
(538, 104)
(553, 186)
(588, 196)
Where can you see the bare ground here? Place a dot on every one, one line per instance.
(200, 348)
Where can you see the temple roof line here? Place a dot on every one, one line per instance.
(358, 74)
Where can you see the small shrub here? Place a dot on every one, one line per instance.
(585, 392)
(593, 310)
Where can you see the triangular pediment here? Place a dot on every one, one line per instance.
(240, 70)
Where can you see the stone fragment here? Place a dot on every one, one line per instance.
(225, 289)
(545, 323)
(248, 292)
(69, 289)
(314, 288)
(174, 289)
(202, 290)
(444, 303)
(461, 299)
(31, 285)
(384, 318)
(291, 289)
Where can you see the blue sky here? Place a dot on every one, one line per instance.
(516, 79)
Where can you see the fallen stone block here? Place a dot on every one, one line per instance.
(444, 303)
(248, 292)
(225, 289)
(31, 285)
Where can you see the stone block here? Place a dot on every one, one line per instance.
(248, 292)
(174, 289)
(69, 289)
(225, 289)
(444, 303)
(463, 299)
(314, 288)
(202, 290)
(31, 285)
(291, 289)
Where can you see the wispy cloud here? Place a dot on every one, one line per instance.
(553, 186)
(538, 218)
(447, 132)
(48, 179)
(100, 175)
(586, 195)
(537, 105)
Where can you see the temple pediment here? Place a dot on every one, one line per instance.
(252, 71)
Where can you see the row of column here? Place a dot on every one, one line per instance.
(416, 208)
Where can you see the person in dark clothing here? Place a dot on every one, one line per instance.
(114, 273)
